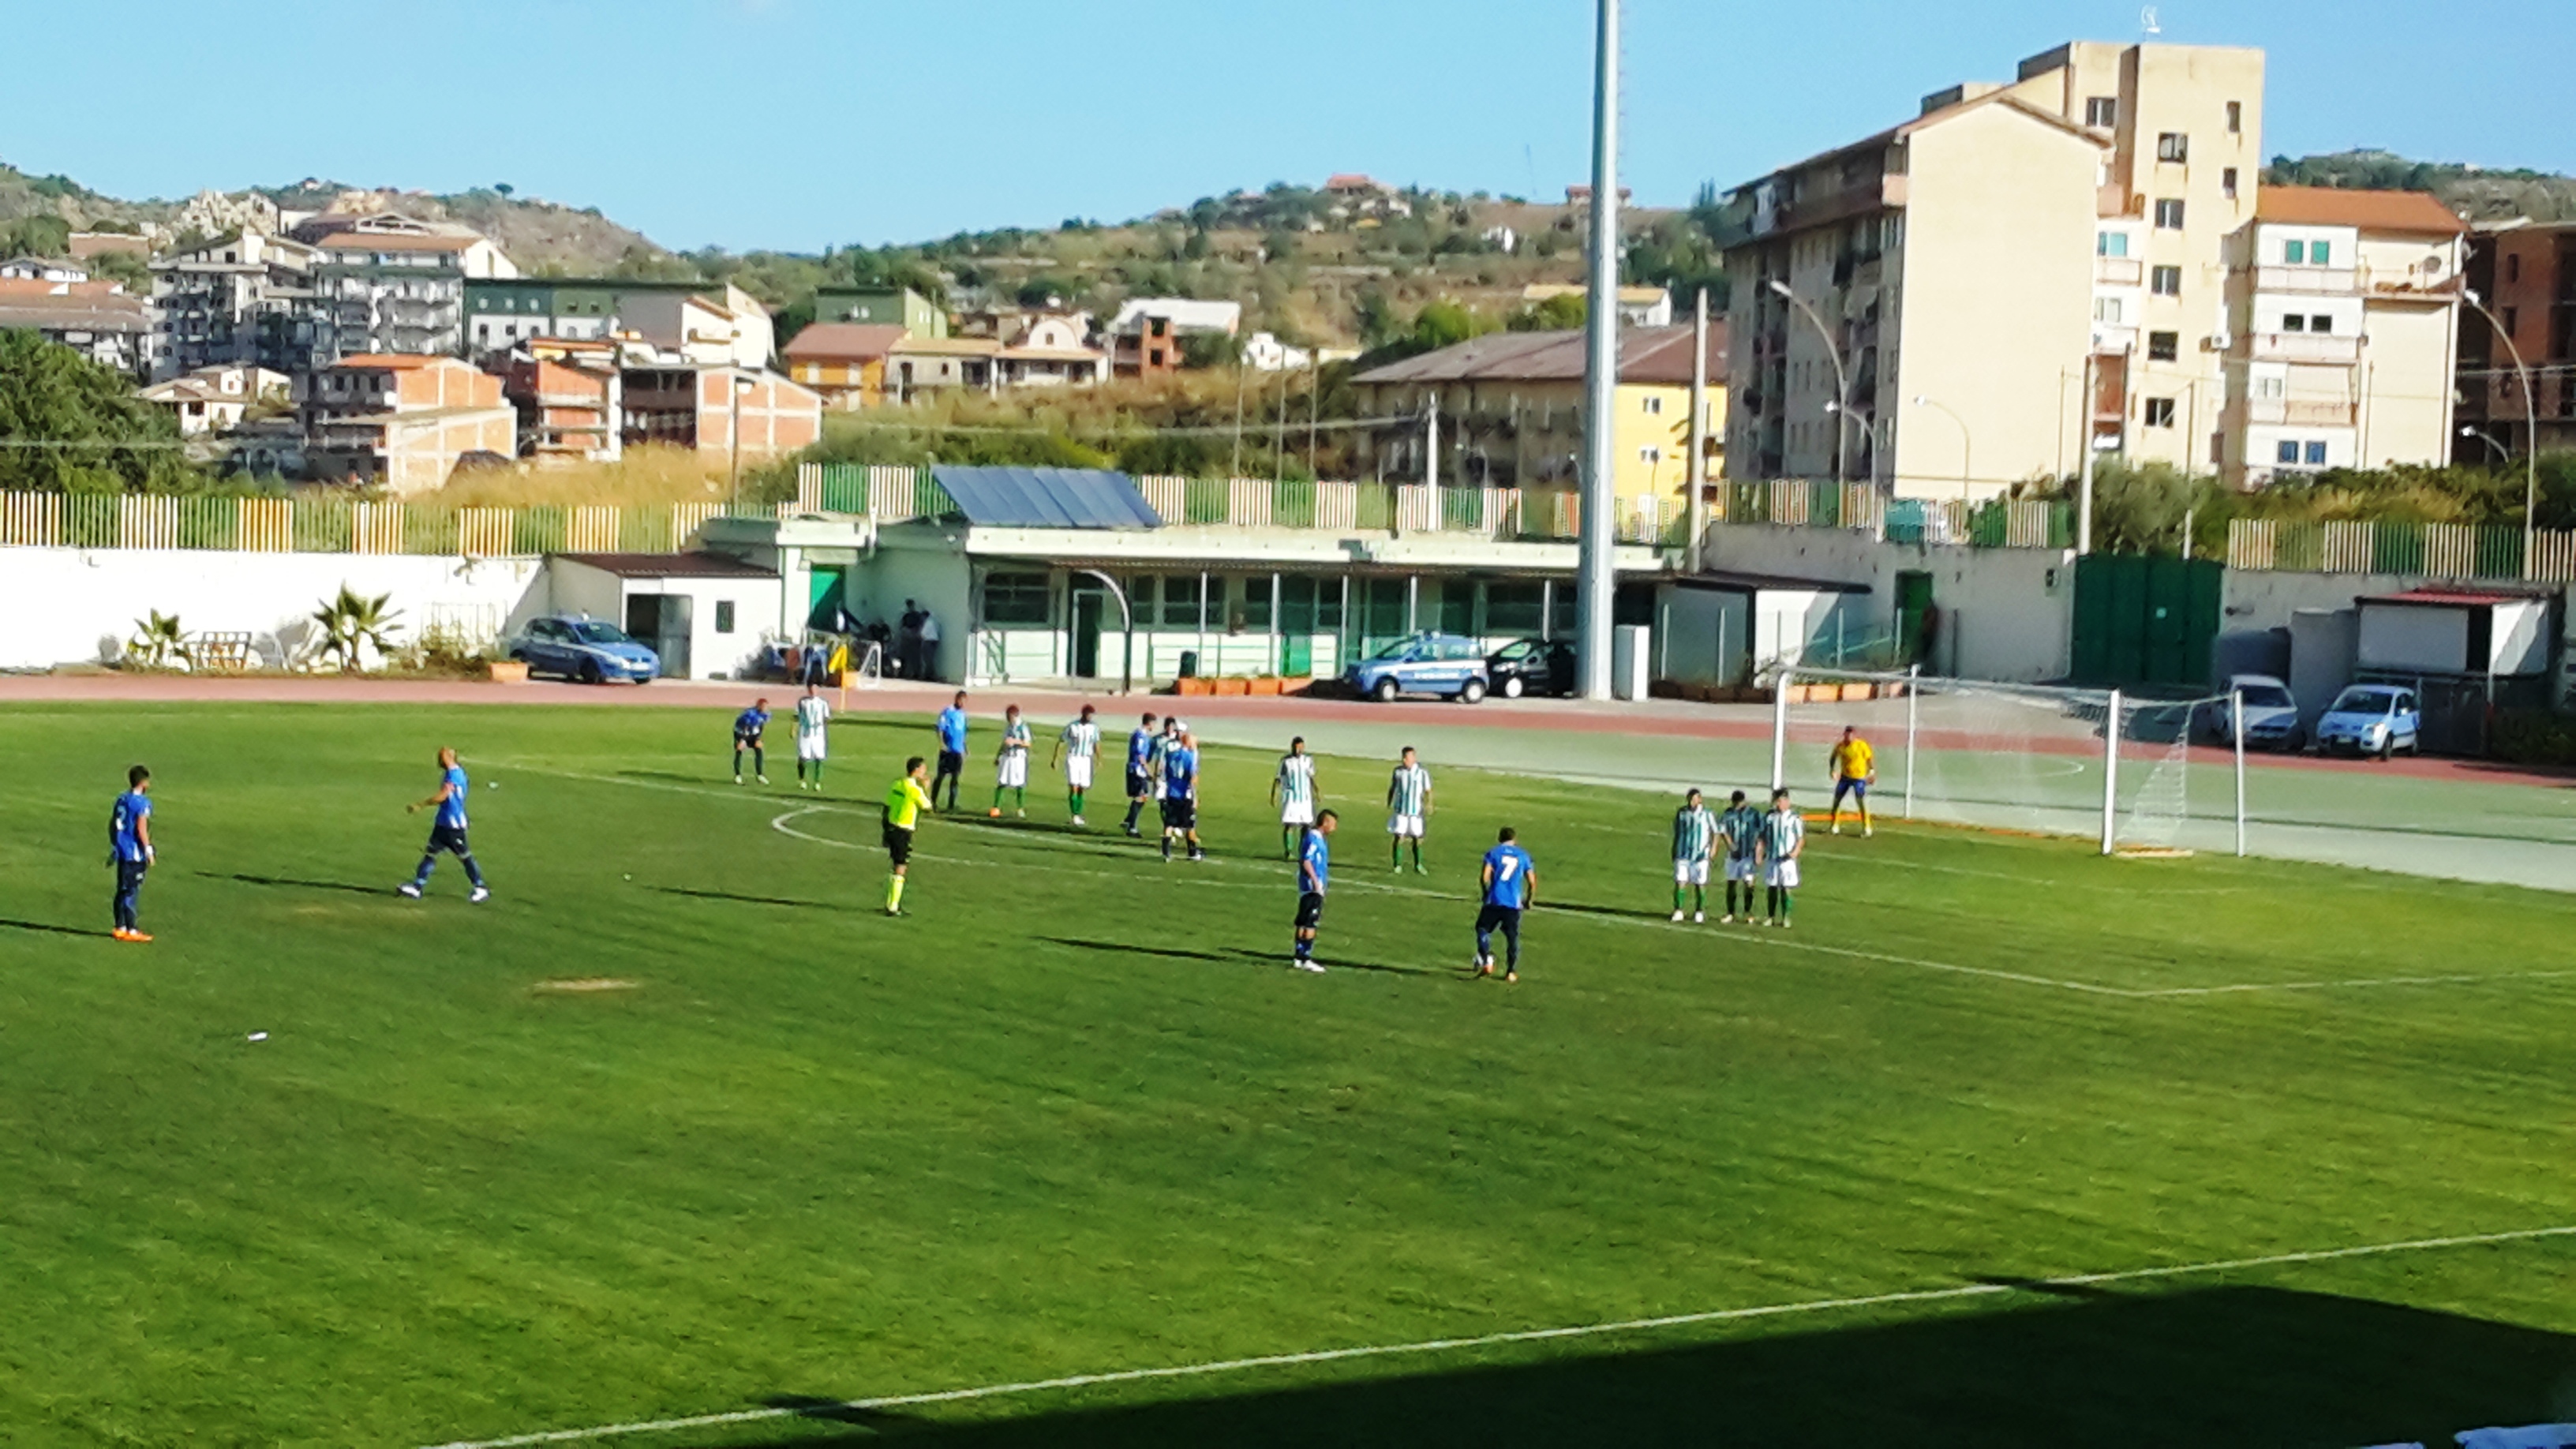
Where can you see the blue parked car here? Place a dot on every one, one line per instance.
(2371, 719)
(1447, 665)
(582, 648)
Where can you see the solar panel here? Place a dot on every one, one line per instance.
(1045, 497)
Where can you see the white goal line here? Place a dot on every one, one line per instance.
(1526, 1335)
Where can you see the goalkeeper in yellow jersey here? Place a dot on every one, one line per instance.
(1855, 768)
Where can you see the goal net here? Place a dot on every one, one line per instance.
(2139, 775)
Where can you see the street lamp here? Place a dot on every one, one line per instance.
(2531, 456)
(1842, 387)
(2503, 453)
(733, 435)
(1967, 471)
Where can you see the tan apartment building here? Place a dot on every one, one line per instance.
(697, 406)
(2344, 308)
(844, 362)
(2020, 269)
(1511, 411)
(402, 421)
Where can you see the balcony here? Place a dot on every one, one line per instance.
(2412, 285)
(2308, 281)
(2119, 272)
(2327, 347)
(2302, 412)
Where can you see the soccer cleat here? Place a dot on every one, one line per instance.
(134, 935)
(1511, 978)
(480, 895)
(1196, 854)
(408, 888)
(1836, 830)
(764, 779)
(737, 779)
(1677, 915)
(995, 813)
(1316, 967)
(1077, 822)
(1021, 814)
(1727, 920)
(1699, 918)
(1867, 831)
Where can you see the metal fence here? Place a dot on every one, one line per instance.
(2460, 551)
(1863, 508)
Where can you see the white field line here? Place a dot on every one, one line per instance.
(2086, 988)
(1526, 1335)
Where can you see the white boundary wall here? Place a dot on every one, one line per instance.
(71, 605)
(2006, 613)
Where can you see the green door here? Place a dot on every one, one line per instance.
(823, 606)
(1913, 612)
(2145, 621)
(1382, 620)
(1089, 607)
(1296, 626)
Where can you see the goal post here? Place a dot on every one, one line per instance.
(2133, 773)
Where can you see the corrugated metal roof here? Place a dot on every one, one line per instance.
(1045, 497)
(670, 565)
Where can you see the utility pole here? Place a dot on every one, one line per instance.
(1431, 441)
(1596, 576)
(2531, 454)
(2084, 491)
(1237, 470)
(1698, 470)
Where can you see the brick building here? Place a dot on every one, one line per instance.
(401, 421)
(2525, 273)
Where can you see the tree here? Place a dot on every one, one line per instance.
(95, 436)
(36, 236)
(353, 620)
(1557, 314)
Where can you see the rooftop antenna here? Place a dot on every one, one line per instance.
(2147, 21)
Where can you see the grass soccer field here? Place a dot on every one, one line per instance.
(2004, 1144)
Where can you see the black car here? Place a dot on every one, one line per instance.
(1531, 666)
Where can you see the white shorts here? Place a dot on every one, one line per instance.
(1784, 874)
(1690, 872)
(1011, 771)
(1077, 772)
(1740, 867)
(809, 747)
(1404, 827)
(1297, 812)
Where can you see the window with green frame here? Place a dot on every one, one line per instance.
(1140, 600)
(1180, 601)
(1515, 606)
(1328, 605)
(1016, 599)
(1457, 605)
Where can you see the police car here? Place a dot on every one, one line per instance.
(2372, 719)
(1448, 665)
(579, 647)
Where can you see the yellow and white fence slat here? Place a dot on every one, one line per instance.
(264, 525)
(2252, 543)
(375, 528)
(145, 520)
(2347, 548)
(31, 520)
(1337, 505)
(592, 528)
(1417, 507)
(486, 532)
(1247, 502)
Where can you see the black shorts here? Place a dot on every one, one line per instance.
(1506, 919)
(450, 838)
(951, 763)
(1140, 786)
(898, 844)
(746, 742)
(1180, 814)
(1310, 910)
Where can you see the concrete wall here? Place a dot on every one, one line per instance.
(2005, 613)
(68, 605)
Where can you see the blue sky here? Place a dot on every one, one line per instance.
(800, 123)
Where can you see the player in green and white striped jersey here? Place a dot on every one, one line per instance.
(1079, 745)
(1294, 791)
(813, 712)
(1739, 830)
(1011, 762)
(1784, 839)
(1408, 805)
(1694, 841)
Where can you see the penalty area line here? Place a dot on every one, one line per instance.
(1526, 1335)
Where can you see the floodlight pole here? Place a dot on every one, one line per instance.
(2236, 712)
(2531, 454)
(2111, 776)
(1698, 470)
(1127, 621)
(1596, 574)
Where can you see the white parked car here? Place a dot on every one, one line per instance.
(2371, 719)
(2271, 714)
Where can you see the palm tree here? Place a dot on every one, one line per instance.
(157, 641)
(352, 620)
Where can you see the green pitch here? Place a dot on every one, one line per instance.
(679, 1125)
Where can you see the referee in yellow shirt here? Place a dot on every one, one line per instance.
(1855, 769)
(904, 802)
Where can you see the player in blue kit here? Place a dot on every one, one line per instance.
(952, 749)
(448, 831)
(1181, 795)
(750, 731)
(1140, 769)
(1314, 873)
(1510, 883)
(129, 849)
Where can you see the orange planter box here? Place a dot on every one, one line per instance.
(1234, 686)
(509, 671)
(1268, 684)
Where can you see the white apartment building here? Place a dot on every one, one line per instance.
(2345, 307)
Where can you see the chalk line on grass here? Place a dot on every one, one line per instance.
(1036, 840)
(1525, 1335)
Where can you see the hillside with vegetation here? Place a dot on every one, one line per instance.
(2476, 192)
